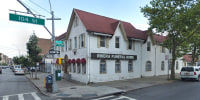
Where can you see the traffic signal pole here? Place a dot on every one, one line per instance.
(54, 87)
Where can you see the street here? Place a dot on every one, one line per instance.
(18, 87)
(187, 90)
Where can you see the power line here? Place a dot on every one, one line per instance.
(39, 6)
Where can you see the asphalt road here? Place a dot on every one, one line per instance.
(180, 90)
(18, 87)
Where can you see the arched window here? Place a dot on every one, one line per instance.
(102, 66)
(130, 66)
(148, 66)
(117, 66)
(162, 66)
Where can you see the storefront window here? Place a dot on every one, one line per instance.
(102, 66)
(148, 66)
(117, 66)
(130, 66)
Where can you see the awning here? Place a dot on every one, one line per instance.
(69, 60)
(78, 60)
(83, 60)
(73, 60)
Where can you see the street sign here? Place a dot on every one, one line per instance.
(54, 52)
(26, 19)
(59, 43)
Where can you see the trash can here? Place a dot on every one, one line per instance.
(58, 75)
(49, 82)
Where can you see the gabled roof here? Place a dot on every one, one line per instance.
(159, 38)
(62, 36)
(188, 58)
(102, 24)
(45, 45)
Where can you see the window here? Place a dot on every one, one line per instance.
(130, 66)
(82, 40)
(162, 49)
(148, 46)
(74, 68)
(116, 42)
(162, 66)
(130, 44)
(75, 42)
(148, 66)
(76, 21)
(78, 68)
(70, 44)
(177, 65)
(117, 66)
(102, 41)
(83, 69)
(69, 67)
(66, 45)
(102, 66)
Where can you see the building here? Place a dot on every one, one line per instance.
(45, 45)
(99, 49)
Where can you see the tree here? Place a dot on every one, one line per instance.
(0, 56)
(16, 60)
(34, 50)
(179, 18)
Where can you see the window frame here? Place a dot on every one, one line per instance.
(117, 66)
(117, 42)
(130, 62)
(148, 66)
(75, 43)
(162, 66)
(148, 46)
(102, 41)
(103, 62)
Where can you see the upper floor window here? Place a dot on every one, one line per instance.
(148, 66)
(130, 44)
(70, 44)
(162, 49)
(116, 42)
(102, 41)
(75, 42)
(66, 45)
(82, 40)
(148, 46)
(162, 66)
(76, 21)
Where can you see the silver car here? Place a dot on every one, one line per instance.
(19, 71)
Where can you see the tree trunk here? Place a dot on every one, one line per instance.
(193, 56)
(172, 76)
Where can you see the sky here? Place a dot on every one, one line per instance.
(15, 35)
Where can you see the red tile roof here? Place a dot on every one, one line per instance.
(188, 58)
(159, 38)
(62, 36)
(101, 24)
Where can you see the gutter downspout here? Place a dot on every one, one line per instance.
(155, 60)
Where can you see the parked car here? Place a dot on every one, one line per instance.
(192, 72)
(0, 70)
(19, 71)
(16, 67)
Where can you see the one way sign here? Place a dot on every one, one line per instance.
(54, 52)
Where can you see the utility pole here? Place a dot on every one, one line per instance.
(55, 88)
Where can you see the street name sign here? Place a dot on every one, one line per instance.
(26, 19)
(54, 52)
(59, 43)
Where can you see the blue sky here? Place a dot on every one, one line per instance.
(15, 35)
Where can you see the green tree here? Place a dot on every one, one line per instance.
(34, 50)
(0, 56)
(16, 60)
(179, 18)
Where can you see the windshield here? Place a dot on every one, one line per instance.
(187, 69)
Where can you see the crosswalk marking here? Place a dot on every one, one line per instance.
(36, 97)
(116, 98)
(21, 96)
(5, 97)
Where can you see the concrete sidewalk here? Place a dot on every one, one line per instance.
(71, 89)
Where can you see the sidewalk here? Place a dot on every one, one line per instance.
(71, 89)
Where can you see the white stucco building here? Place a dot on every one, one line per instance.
(99, 49)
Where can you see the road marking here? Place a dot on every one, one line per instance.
(5, 97)
(117, 98)
(20, 97)
(35, 96)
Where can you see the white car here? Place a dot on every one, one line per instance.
(190, 73)
(19, 71)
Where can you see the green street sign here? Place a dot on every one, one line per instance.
(26, 19)
(59, 43)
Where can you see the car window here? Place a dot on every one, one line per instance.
(196, 69)
(187, 69)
